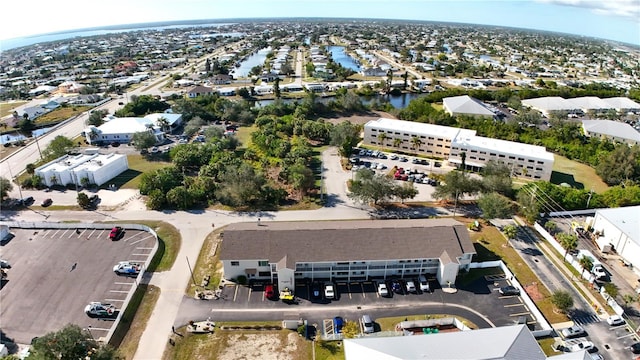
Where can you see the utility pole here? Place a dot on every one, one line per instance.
(11, 175)
(589, 199)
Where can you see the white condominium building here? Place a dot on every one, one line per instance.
(445, 142)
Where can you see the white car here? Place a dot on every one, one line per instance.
(382, 289)
(329, 293)
(581, 345)
(615, 320)
(411, 287)
(127, 268)
(98, 309)
(381, 166)
(599, 272)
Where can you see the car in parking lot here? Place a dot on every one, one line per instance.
(615, 320)
(127, 268)
(423, 283)
(382, 289)
(329, 292)
(367, 324)
(28, 201)
(116, 233)
(396, 287)
(509, 290)
(573, 332)
(393, 157)
(411, 287)
(338, 323)
(315, 290)
(635, 348)
(99, 310)
(269, 292)
(46, 202)
(581, 344)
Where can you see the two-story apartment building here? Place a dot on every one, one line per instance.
(284, 252)
(448, 143)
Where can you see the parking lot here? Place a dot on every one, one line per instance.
(55, 273)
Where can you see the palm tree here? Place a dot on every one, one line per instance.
(164, 123)
(586, 262)
(397, 142)
(568, 241)
(415, 143)
(382, 138)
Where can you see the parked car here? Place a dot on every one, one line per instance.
(424, 283)
(396, 287)
(411, 287)
(635, 348)
(46, 202)
(269, 292)
(581, 345)
(127, 268)
(509, 290)
(99, 310)
(403, 159)
(393, 157)
(154, 150)
(573, 332)
(116, 233)
(599, 272)
(382, 290)
(615, 320)
(367, 324)
(338, 323)
(28, 201)
(4, 264)
(115, 144)
(315, 291)
(329, 292)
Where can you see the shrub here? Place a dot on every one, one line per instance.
(242, 280)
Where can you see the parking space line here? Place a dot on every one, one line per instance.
(235, 294)
(520, 314)
(112, 300)
(119, 291)
(512, 305)
(124, 283)
(144, 248)
(137, 241)
(139, 254)
(626, 336)
(92, 232)
(98, 329)
(55, 233)
(249, 295)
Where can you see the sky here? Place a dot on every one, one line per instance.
(607, 19)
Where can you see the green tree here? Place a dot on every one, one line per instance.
(163, 122)
(276, 87)
(96, 116)
(241, 186)
(370, 187)
(397, 142)
(405, 191)
(612, 289)
(456, 184)
(586, 263)
(622, 164)
(58, 147)
(143, 140)
(350, 329)
(179, 198)
(83, 200)
(70, 342)
(495, 206)
(569, 242)
(5, 187)
(496, 177)
(551, 227)
(510, 231)
(301, 178)
(382, 137)
(155, 199)
(415, 143)
(30, 168)
(562, 300)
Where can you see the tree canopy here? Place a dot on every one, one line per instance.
(5, 187)
(58, 147)
(70, 343)
(142, 105)
(143, 140)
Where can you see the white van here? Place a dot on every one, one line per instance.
(424, 283)
(367, 324)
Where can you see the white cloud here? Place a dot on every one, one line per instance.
(624, 8)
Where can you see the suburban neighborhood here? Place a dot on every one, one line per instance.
(320, 189)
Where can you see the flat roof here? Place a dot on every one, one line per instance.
(360, 240)
(100, 161)
(89, 162)
(627, 219)
(465, 104)
(612, 128)
(420, 128)
(504, 146)
(125, 125)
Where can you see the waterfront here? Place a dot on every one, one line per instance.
(397, 101)
(255, 59)
(341, 57)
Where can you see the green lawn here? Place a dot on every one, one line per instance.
(576, 174)
(244, 135)
(139, 164)
(60, 114)
(6, 108)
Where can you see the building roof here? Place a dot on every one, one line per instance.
(361, 240)
(504, 146)
(507, 342)
(199, 89)
(466, 105)
(171, 117)
(79, 162)
(621, 103)
(125, 125)
(588, 103)
(549, 103)
(624, 218)
(611, 128)
(447, 132)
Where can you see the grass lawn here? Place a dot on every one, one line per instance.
(60, 114)
(329, 350)
(6, 108)
(576, 174)
(244, 135)
(170, 241)
(491, 245)
(134, 320)
(208, 263)
(138, 164)
(389, 324)
(545, 345)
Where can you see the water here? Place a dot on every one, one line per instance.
(341, 57)
(7, 44)
(399, 102)
(256, 59)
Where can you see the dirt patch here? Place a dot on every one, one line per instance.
(360, 118)
(261, 346)
(533, 292)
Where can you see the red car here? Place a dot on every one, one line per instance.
(116, 233)
(269, 293)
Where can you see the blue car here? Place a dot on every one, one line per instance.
(338, 322)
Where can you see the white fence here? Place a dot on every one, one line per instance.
(85, 226)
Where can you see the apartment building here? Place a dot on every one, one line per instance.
(284, 252)
(448, 143)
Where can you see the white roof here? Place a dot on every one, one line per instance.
(99, 161)
(420, 128)
(504, 146)
(466, 105)
(612, 128)
(79, 162)
(621, 103)
(171, 117)
(548, 103)
(626, 219)
(125, 125)
(506, 342)
(588, 103)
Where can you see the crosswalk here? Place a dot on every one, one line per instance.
(586, 319)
